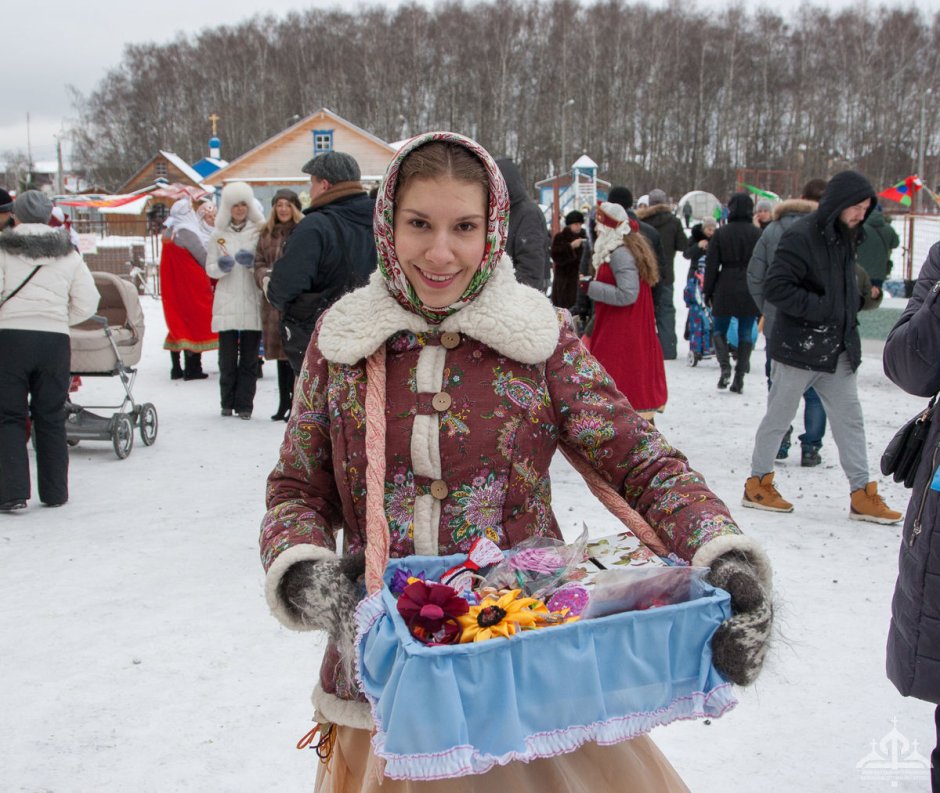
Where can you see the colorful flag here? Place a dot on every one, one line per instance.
(903, 190)
(758, 192)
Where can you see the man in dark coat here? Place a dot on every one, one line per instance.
(673, 240)
(528, 240)
(726, 291)
(815, 343)
(786, 213)
(912, 360)
(663, 307)
(330, 252)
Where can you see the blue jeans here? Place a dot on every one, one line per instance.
(814, 421)
(745, 326)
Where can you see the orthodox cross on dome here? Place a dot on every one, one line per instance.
(215, 120)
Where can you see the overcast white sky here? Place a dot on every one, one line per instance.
(51, 44)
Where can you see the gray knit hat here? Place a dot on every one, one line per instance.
(333, 167)
(32, 207)
(657, 196)
(764, 205)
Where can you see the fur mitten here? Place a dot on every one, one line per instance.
(323, 595)
(740, 643)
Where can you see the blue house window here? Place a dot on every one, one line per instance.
(322, 141)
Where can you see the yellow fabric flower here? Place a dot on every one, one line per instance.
(501, 616)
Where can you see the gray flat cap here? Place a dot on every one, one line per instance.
(334, 167)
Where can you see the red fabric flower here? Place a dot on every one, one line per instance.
(430, 611)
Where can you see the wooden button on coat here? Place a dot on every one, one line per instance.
(441, 401)
(439, 489)
(450, 340)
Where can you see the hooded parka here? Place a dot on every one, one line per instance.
(812, 282)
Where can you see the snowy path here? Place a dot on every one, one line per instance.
(137, 653)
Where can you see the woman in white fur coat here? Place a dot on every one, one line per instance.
(236, 307)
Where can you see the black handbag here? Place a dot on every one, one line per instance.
(901, 457)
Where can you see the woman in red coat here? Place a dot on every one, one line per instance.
(624, 338)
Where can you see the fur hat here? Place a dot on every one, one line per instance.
(287, 195)
(237, 193)
(658, 196)
(6, 201)
(333, 167)
(574, 217)
(32, 207)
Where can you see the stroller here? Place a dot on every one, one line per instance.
(699, 324)
(108, 345)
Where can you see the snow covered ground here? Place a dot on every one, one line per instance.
(137, 652)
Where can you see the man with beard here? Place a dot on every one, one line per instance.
(815, 344)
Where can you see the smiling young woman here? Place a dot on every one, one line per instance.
(440, 233)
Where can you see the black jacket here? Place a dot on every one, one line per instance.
(813, 285)
(912, 360)
(726, 261)
(331, 251)
(528, 241)
(671, 236)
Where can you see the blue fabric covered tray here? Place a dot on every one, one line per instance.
(461, 709)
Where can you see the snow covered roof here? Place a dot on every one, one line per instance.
(584, 162)
(180, 163)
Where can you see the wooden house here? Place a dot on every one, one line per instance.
(276, 162)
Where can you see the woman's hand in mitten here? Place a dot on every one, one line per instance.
(245, 258)
(226, 263)
(323, 595)
(740, 643)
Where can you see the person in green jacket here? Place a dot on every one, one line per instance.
(874, 251)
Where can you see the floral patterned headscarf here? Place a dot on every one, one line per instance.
(384, 228)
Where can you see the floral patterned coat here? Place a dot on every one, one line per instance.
(475, 409)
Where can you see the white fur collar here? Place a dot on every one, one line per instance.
(515, 320)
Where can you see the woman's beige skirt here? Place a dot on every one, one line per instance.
(628, 767)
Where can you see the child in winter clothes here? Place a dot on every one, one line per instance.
(465, 383)
(236, 306)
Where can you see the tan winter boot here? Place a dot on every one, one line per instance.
(868, 505)
(760, 493)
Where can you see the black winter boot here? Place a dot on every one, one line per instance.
(176, 371)
(784, 451)
(723, 354)
(285, 390)
(810, 458)
(742, 366)
(193, 369)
